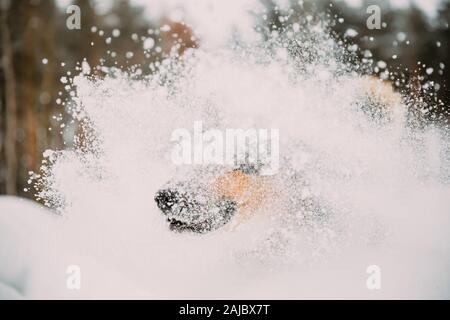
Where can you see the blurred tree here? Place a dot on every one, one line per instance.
(442, 60)
(8, 171)
(34, 40)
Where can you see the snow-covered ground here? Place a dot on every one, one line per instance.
(36, 259)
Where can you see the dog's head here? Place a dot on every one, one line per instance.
(201, 204)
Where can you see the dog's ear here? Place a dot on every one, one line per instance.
(381, 101)
(381, 91)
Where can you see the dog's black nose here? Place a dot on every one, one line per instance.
(166, 199)
(194, 211)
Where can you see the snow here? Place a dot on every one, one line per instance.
(149, 43)
(116, 33)
(379, 185)
(35, 257)
(351, 33)
(385, 184)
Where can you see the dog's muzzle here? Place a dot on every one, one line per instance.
(194, 210)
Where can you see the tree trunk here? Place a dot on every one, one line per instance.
(11, 105)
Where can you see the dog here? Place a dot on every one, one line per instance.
(203, 202)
